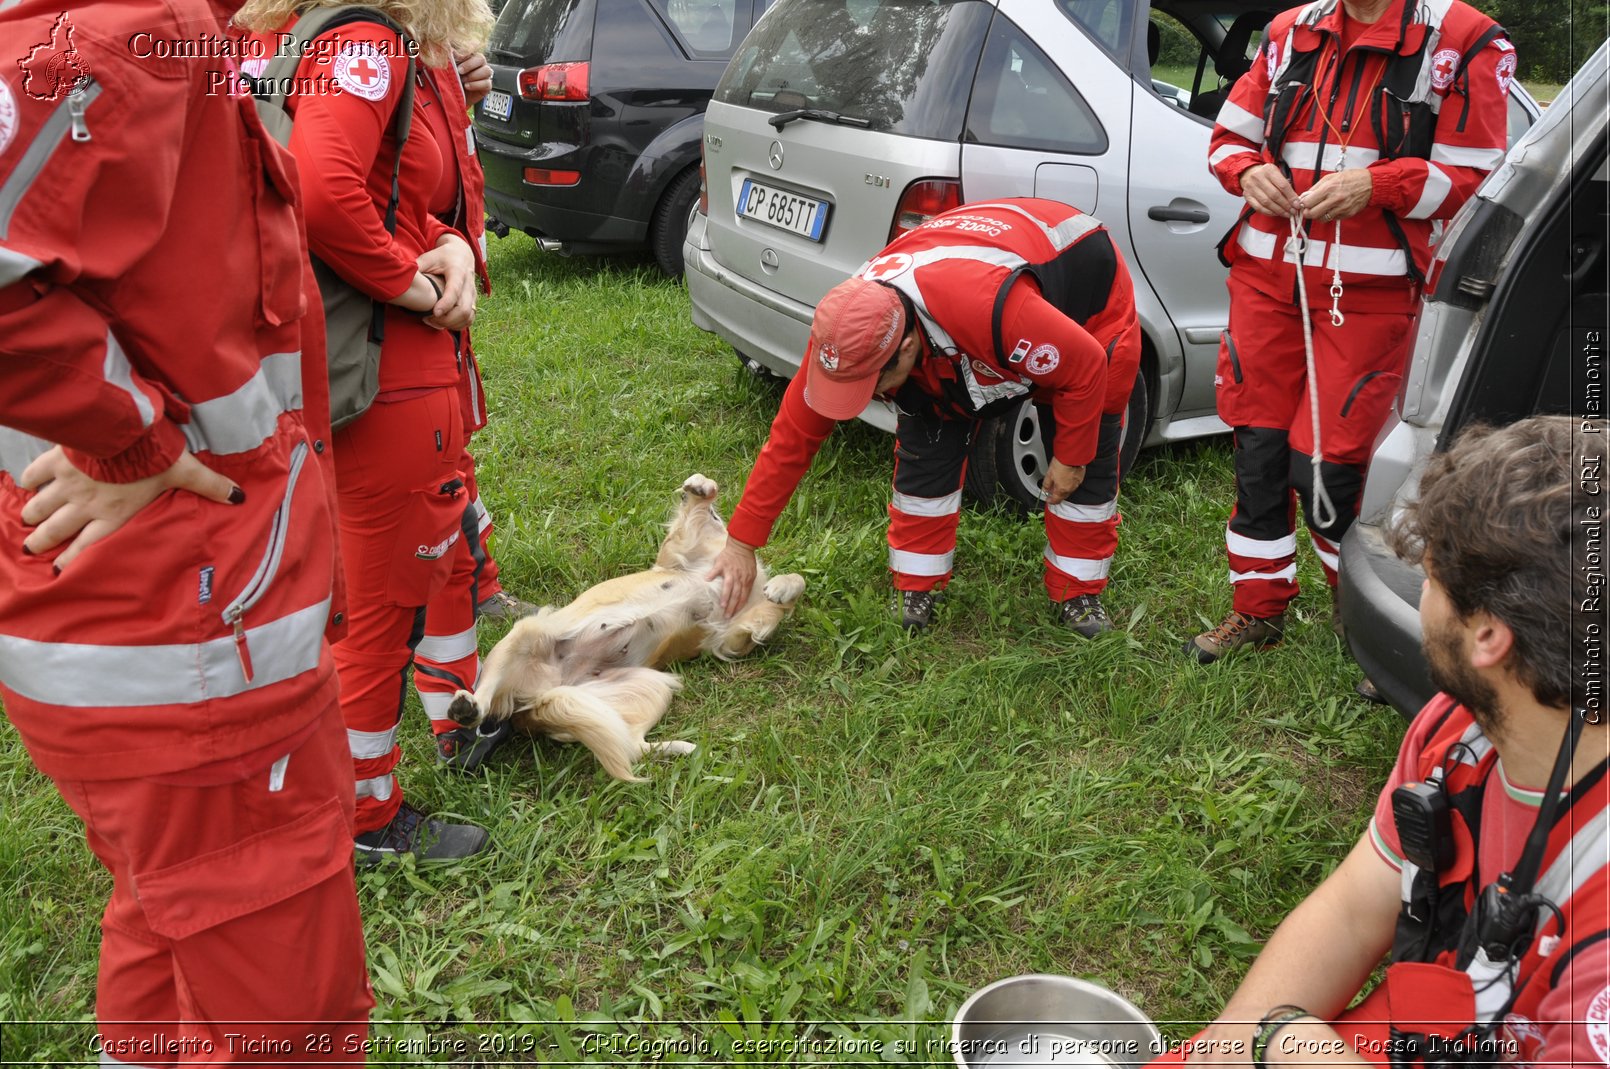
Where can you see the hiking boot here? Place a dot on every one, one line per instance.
(503, 606)
(465, 749)
(428, 839)
(1236, 631)
(916, 608)
(1084, 614)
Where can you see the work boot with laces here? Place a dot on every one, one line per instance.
(916, 608)
(1084, 614)
(1236, 631)
(427, 839)
(465, 749)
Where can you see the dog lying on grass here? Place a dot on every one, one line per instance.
(590, 671)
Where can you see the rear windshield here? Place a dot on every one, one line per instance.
(902, 65)
(543, 31)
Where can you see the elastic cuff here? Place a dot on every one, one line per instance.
(152, 454)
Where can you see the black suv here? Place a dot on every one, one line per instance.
(590, 136)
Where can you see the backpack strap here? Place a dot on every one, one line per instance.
(270, 96)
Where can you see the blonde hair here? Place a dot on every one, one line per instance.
(442, 27)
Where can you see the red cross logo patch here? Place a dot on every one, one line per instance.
(886, 267)
(1443, 65)
(361, 70)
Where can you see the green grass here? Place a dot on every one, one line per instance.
(875, 824)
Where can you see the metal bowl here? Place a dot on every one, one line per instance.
(1037, 1020)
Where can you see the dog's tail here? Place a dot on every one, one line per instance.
(605, 716)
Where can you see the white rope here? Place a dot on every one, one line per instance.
(1324, 510)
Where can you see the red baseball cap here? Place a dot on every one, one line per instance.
(857, 328)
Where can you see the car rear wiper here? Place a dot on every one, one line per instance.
(782, 119)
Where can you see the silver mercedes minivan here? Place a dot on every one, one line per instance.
(839, 124)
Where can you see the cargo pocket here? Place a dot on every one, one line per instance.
(213, 889)
(1229, 387)
(427, 537)
(279, 247)
(1363, 410)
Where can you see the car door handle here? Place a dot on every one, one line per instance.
(1165, 214)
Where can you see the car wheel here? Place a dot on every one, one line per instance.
(670, 225)
(1008, 459)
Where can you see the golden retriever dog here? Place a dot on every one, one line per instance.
(590, 672)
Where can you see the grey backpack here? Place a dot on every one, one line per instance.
(354, 323)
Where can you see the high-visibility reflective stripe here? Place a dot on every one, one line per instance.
(1474, 746)
(1066, 510)
(1226, 152)
(241, 421)
(81, 675)
(1061, 235)
(367, 745)
(436, 705)
(1331, 559)
(1484, 159)
(1241, 122)
(1260, 548)
(120, 373)
(907, 563)
(1436, 190)
(1357, 259)
(1288, 573)
(949, 505)
(41, 149)
(18, 450)
(1304, 155)
(378, 788)
(1579, 861)
(1083, 568)
(483, 518)
(14, 265)
(444, 649)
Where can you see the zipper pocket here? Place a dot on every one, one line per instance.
(1353, 394)
(1235, 358)
(68, 117)
(234, 613)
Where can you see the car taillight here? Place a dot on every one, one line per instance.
(541, 176)
(704, 185)
(923, 200)
(556, 81)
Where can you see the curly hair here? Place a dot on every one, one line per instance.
(442, 27)
(1512, 520)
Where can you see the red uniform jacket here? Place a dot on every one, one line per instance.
(151, 300)
(1465, 77)
(345, 144)
(961, 270)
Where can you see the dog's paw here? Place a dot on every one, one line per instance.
(785, 589)
(700, 486)
(464, 711)
(672, 746)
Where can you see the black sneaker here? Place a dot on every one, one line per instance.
(412, 832)
(466, 749)
(503, 606)
(916, 608)
(1084, 614)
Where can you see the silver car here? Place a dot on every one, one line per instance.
(1514, 325)
(841, 123)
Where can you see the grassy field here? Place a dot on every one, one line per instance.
(874, 824)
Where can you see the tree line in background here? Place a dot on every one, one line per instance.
(1552, 37)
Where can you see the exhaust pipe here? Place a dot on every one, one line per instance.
(550, 245)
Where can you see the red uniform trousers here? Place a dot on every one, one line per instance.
(233, 911)
(929, 467)
(1262, 385)
(447, 658)
(403, 502)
